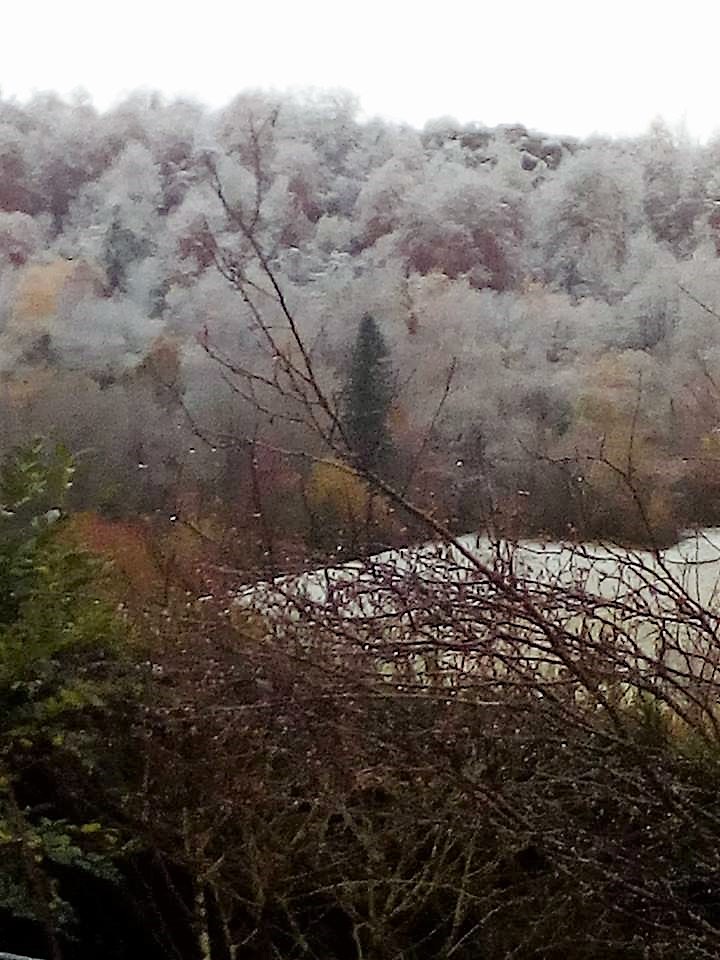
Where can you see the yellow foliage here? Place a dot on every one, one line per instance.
(399, 420)
(41, 285)
(38, 290)
(193, 540)
(612, 418)
(596, 409)
(613, 384)
(659, 511)
(250, 626)
(336, 491)
(710, 445)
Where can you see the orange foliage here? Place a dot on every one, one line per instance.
(21, 391)
(124, 544)
(163, 360)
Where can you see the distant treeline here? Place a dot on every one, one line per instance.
(570, 287)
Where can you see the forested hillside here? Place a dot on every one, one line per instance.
(255, 339)
(546, 309)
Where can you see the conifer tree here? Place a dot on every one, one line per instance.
(368, 397)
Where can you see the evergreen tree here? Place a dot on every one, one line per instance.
(122, 248)
(368, 397)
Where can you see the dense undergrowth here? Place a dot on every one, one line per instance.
(181, 780)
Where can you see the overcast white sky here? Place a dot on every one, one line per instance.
(564, 66)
